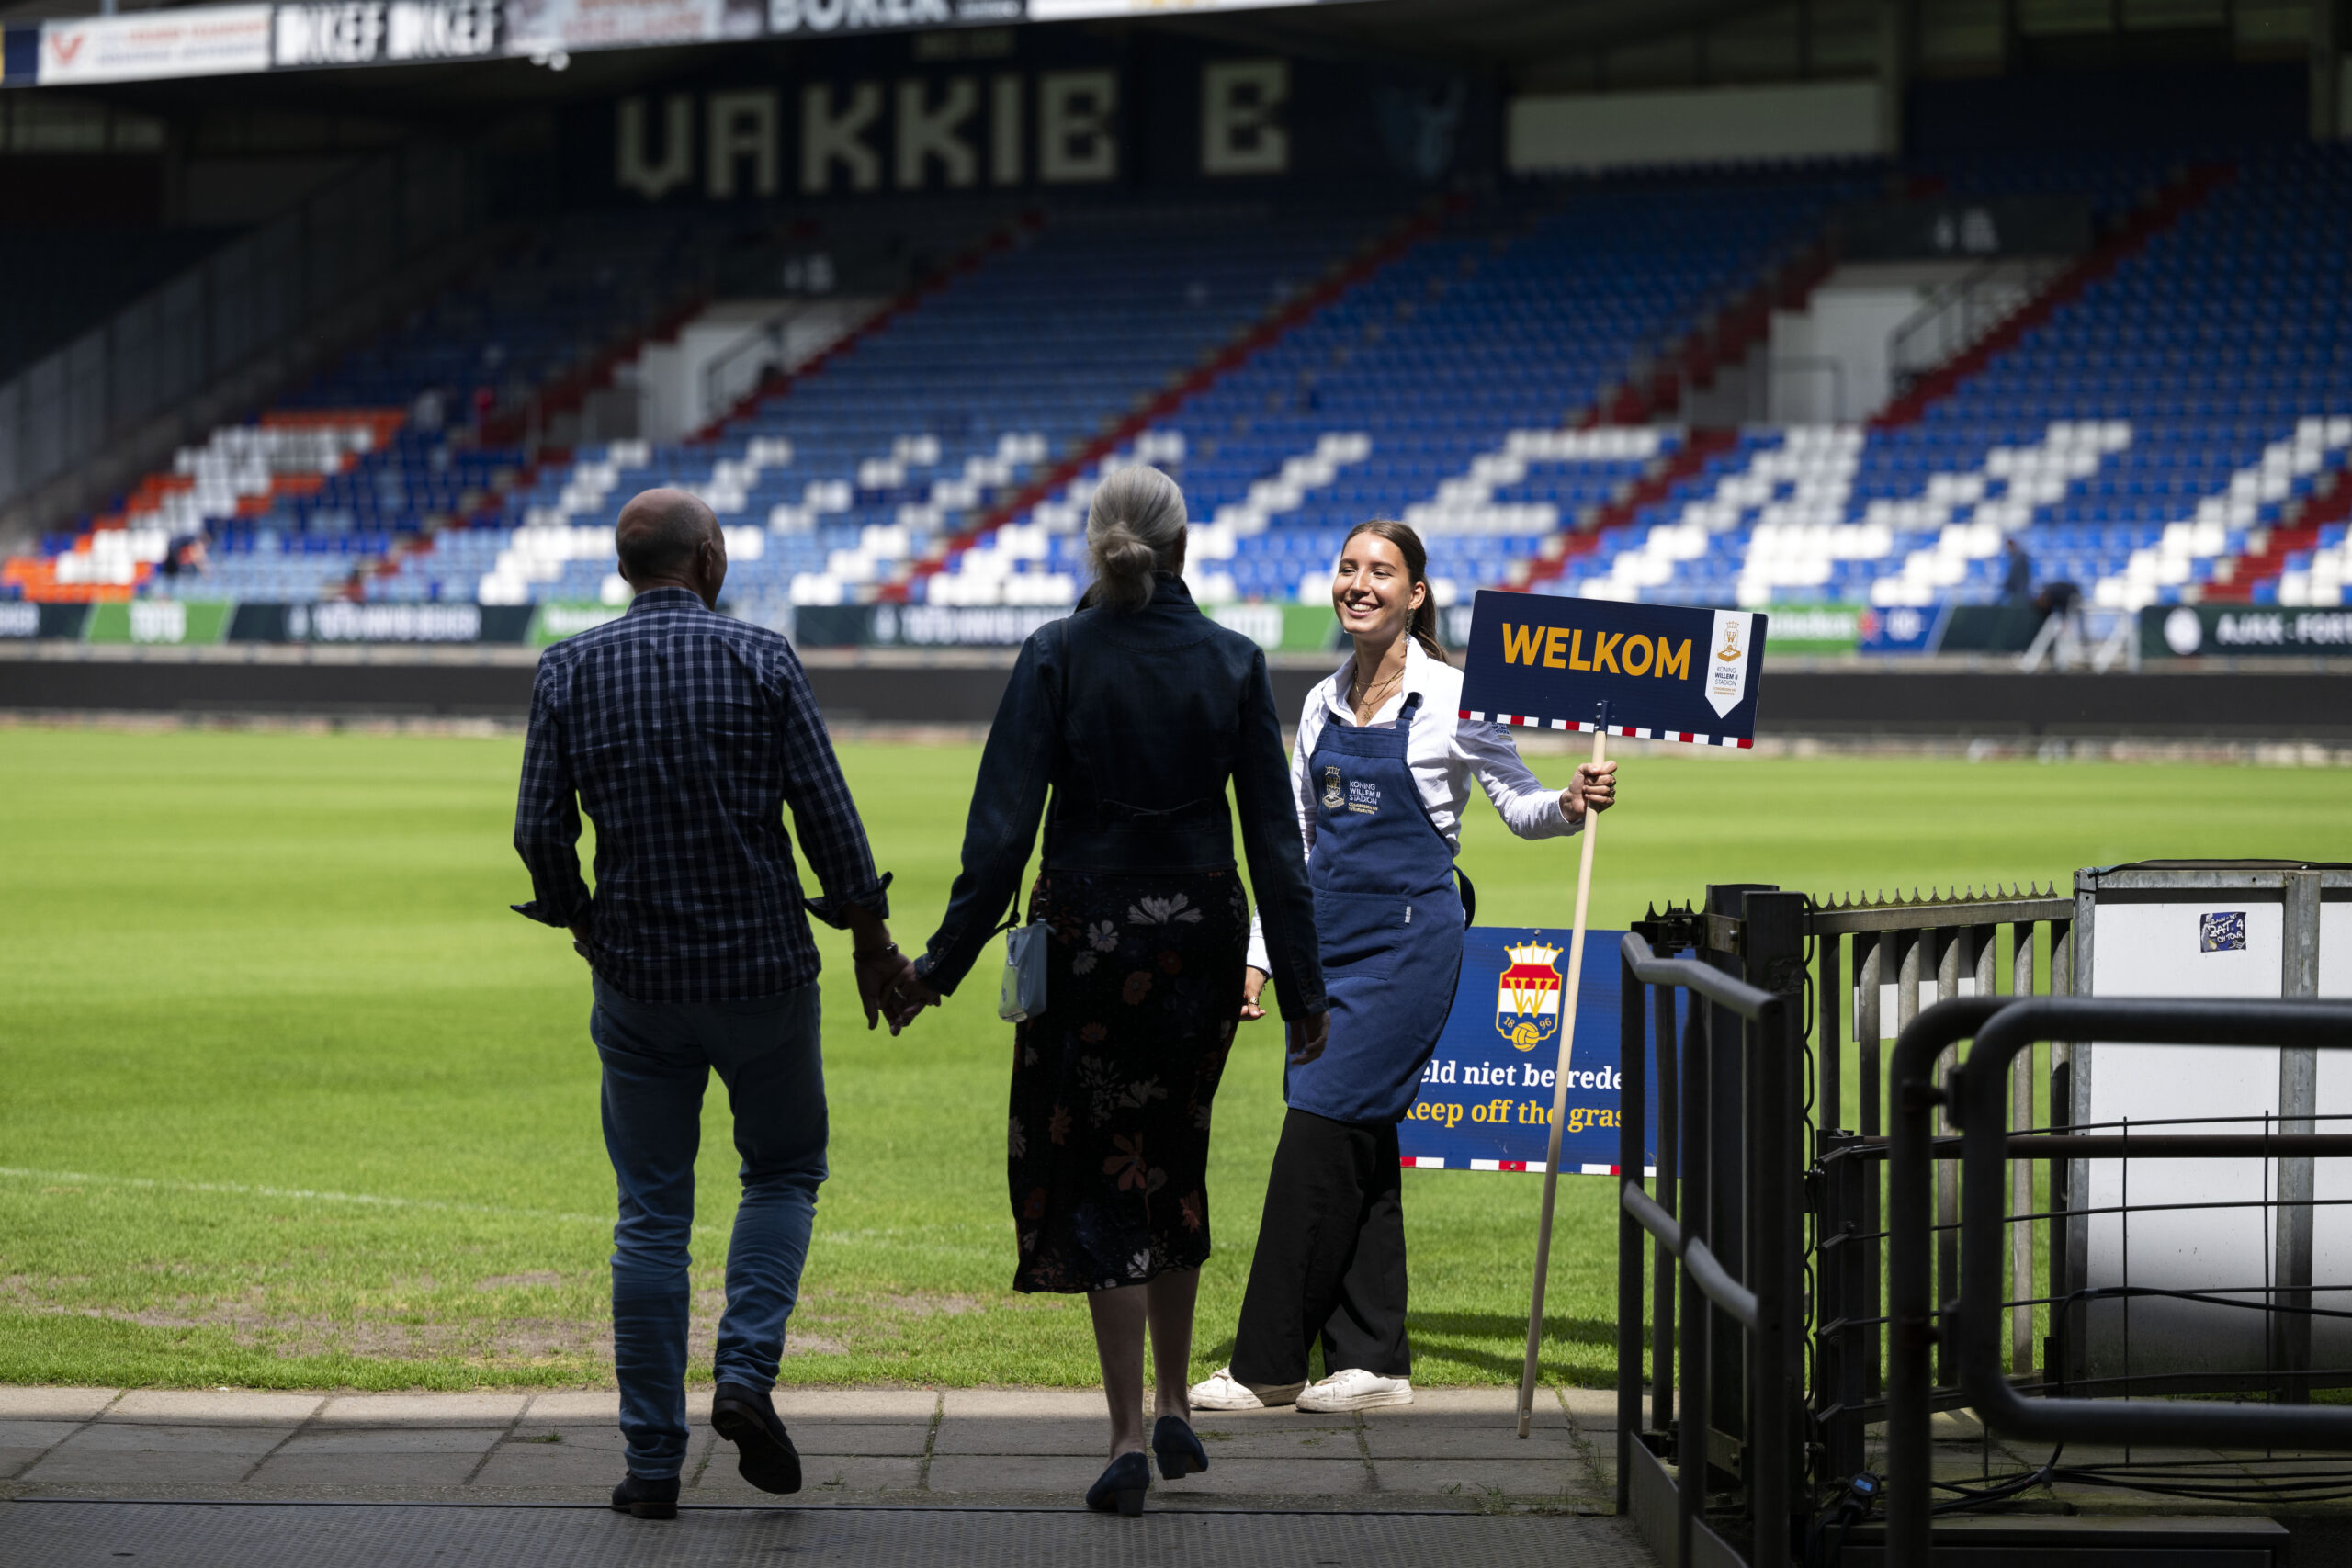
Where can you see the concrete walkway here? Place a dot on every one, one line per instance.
(195, 1478)
(1452, 1450)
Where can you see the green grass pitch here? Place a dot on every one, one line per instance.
(291, 1099)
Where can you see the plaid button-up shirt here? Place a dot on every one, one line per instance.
(684, 733)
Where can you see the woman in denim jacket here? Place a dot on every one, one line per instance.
(1134, 713)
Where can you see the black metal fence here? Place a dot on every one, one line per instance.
(1920, 1258)
(1967, 1322)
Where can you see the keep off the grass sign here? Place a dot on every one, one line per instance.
(1486, 1097)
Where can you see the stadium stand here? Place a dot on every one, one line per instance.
(2167, 419)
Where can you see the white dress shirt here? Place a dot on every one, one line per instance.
(1444, 753)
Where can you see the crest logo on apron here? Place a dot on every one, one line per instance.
(1332, 798)
(1527, 995)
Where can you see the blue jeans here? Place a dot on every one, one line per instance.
(657, 1058)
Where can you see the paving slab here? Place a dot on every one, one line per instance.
(14, 1462)
(157, 1455)
(1467, 1442)
(1515, 1478)
(588, 1457)
(1064, 1475)
(857, 1404)
(35, 1434)
(1275, 1442)
(1269, 1478)
(369, 1442)
(224, 1407)
(437, 1410)
(441, 1467)
(1052, 1404)
(1592, 1409)
(1069, 1434)
(859, 1438)
(54, 1404)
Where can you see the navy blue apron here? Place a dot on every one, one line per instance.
(1390, 922)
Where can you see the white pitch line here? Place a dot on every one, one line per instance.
(305, 1194)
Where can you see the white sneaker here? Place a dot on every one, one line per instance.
(1221, 1391)
(1355, 1389)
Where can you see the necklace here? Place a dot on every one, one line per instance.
(1363, 695)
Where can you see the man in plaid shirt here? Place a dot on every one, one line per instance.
(684, 733)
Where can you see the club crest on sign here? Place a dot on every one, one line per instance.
(1527, 995)
(1332, 797)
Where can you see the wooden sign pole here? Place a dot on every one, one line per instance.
(1560, 1097)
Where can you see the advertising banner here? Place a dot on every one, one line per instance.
(1651, 672)
(1486, 1099)
(1817, 629)
(1901, 628)
(167, 622)
(1277, 629)
(371, 32)
(197, 40)
(818, 17)
(2243, 631)
(336, 621)
(22, 622)
(545, 27)
(557, 621)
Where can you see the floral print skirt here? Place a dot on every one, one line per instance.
(1109, 1136)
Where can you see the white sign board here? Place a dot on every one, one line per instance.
(198, 40)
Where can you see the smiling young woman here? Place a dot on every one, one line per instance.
(1381, 774)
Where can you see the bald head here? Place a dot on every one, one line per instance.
(668, 538)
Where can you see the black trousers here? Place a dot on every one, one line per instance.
(1330, 1258)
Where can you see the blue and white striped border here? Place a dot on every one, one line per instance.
(1688, 738)
(1532, 1167)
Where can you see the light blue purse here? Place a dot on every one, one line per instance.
(1021, 996)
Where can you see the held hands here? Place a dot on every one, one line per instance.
(907, 996)
(881, 967)
(1595, 786)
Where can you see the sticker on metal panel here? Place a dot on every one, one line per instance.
(2222, 933)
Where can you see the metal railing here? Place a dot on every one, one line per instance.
(1966, 1322)
(1729, 1114)
(1926, 951)
(1952, 318)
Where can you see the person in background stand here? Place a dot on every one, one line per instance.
(1381, 772)
(2017, 577)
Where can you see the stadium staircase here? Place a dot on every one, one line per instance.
(2187, 191)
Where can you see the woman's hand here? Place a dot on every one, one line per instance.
(907, 996)
(1594, 786)
(1253, 982)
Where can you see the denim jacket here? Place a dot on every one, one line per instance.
(1135, 720)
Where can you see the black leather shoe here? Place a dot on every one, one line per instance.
(1180, 1451)
(1122, 1486)
(764, 1452)
(641, 1497)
